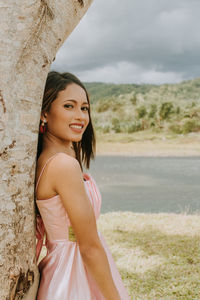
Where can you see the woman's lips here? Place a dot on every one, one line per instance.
(76, 127)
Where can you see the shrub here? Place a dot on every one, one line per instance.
(106, 129)
(116, 107)
(134, 100)
(153, 110)
(144, 124)
(98, 128)
(116, 125)
(175, 128)
(133, 127)
(117, 128)
(178, 110)
(165, 110)
(194, 114)
(187, 115)
(141, 111)
(191, 126)
(104, 105)
(152, 124)
(115, 121)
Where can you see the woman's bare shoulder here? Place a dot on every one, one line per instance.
(57, 157)
(56, 168)
(63, 160)
(57, 163)
(65, 170)
(64, 165)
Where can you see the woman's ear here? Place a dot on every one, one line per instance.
(43, 117)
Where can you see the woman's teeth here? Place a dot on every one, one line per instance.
(76, 126)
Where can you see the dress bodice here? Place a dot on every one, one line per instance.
(54, 215)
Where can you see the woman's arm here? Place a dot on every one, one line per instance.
(67, 180)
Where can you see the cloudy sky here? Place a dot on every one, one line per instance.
(135, 41)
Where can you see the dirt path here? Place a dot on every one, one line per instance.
(150, 148)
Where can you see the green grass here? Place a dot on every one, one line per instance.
(158, 255)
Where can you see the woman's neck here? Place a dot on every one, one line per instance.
(53, 145)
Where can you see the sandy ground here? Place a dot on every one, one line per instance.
(165, 147)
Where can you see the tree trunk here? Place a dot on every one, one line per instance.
(31, 33)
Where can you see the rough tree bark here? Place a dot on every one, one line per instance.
(31, 33)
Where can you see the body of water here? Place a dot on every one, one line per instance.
(148, 184)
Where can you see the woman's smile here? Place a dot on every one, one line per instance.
(76, 127)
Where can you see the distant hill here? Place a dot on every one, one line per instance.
(100, 90)
(160, 108)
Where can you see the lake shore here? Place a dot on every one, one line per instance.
(151, 146)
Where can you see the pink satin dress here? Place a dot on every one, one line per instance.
(63, 275)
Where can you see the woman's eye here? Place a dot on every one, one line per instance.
(68, 105)
(85, 108)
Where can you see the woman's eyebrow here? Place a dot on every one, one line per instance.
(72, 100)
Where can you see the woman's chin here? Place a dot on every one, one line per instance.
(77, 139)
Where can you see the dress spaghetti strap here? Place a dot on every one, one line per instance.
(50, 158)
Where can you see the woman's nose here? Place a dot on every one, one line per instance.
(80, 114)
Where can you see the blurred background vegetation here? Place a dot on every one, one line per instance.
(130, 108)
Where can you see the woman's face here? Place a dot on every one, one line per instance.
(68, 116)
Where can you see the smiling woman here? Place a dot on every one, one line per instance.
(78, 264)
(67, 122)
(65, 106)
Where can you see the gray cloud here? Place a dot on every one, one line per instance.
(135, 41)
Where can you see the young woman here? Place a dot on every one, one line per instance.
(78, 264)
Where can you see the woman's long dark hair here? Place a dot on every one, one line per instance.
(56, 82)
